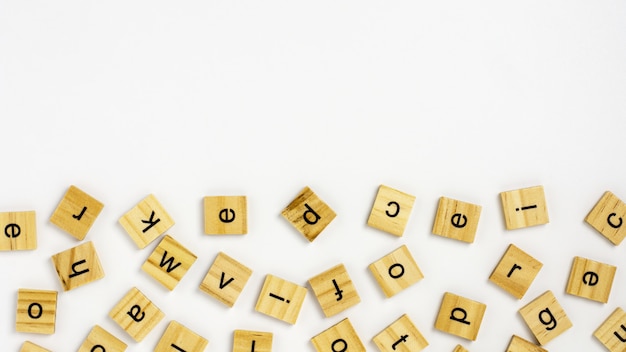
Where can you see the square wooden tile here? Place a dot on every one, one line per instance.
(36, 311)
(545, 317)
(391, 210)
(169, 262)
(524, 207)
(225, 279)
(78, 266)
(28, 346)
(146, 221)
(590, 279)
(225, 215)
(280, 299)
(516, 271)
(136, 314)
(339, 337)
(612, 332)
(179, 338)
(76, 212)
(402, 335)
(460, 316)
(518, 344)
(334, 290)
(247, 341)
(19, 231)
(100, 340)
(459, 348)
(396, 271)
(457, 220)
(308, 214)
(607, 217)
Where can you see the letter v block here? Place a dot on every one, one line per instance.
(225, 279)
(100, 340)
(76, 212)
(460, 316)
(36, 311)
(28, 346)
(169, 262)
(179, 338)
(78, 266)
(308, 214)
(19, 231)
(545, 317)
(136, 314)
(146, 221)
(612, 333)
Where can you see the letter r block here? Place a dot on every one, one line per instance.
(608, 216)
(76, 212)
(78, 266)
(590, 279)
(339, 337)
(391, 210)
(225, 279)
(18, 231)
(225, 215)
(457, 220)
(36, 311)
(516, 271)
(524, 207)
(146, 221)
(518, 344)
(545, 317)
(401, 335)
(169, 262)
(100, 340)
(460, 316)
(179, 338)
(396, 271)
(334, 290)
(136, 314)
(246, 341)
(28, 346)
(612, 332)
(308, 214)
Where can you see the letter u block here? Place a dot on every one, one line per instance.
(460, 316)
(36, 311)
(339, 337)
(396, 271)
(545, 317)
(308, 214)
(612, 332)
(607, 217)
(19, 231)
(136, 314)
(391, 210)
(169, 262)
(78, 266)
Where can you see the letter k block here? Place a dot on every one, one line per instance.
(308, 214)
(460, 316)
(78, 266)
(146, 221)
(136, 314)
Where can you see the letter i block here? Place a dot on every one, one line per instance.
(607, 217)
(524, 207)
(518, 344)
(334, 290)
(339, 337)
(101, 340)
(28, 346)
(391, 210)
(146, 221)
(280, 299)
(612, 333)
(457, 220)
(169, 262)
(401, 335)
(516, 271)
(459, 348)
(36, 311)
(19, 231)
(308, 214)
(225, 215)
(225, 279)
(78, 266)
(136, 314)
(460, 316)
(590, 279)
(246, 341)
(178, 338)
(76, 212)
(396, 271)
(545, 317)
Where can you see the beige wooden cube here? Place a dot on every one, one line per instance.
(19, 231)
(169, 262)
(146, 221)
(456, 220)
(280, 299)
(136, 314)
(607, 217)
(100, 340)
(590, 279)
(36, 311)
(460, 348)
(401, 335)
(516, 271)
(246, 341)
(225, 215)
(334, 290)
(396, 271)
(308, 214)
(460, 316)
(28, 346)
(225, 279)
(78, 266)
(524, 207)
(518, 344)
(612, 332)
(339, 337)
(76, 212)
(545, 317)
(391, 210)
(179, 338)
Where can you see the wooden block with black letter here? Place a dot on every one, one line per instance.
(334, 290)
(146, 221)
(401, 335)
(460, 316)
(76, 212)
(391, 210)
(136, 314)
(36, 311)
(457, 220)
(28, 346)
(225, 215)
(169, 262)
(246, 341)
(516, 271)
(607, 217)
(590, 279)
(396, 271)
(339, 337)
(612, 332)
(100, 340)
(19, 231)
(545, 317)
(280, 299)
(459, 348)
(308, 214)
(524, 207)
(225, 279)
(78, 266)
(518, 344)
(179, 338)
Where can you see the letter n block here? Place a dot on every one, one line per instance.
(225, 215)
(78, 266)
(396, 271)
(100, 340)
(308, 214)
(524, 207)
(545, 317)
(28, 346)
(612, 332)
(76, 212)
(169, 262)
(19, 231)
(246, 341)
(391, 210)
(516, 271)
(280, 299)
(146, 221)
(136, 314)
(401, 335)
(460, 316)
(607, 217)
(518, 344)
(457, 220)
(334, 290)
(339, 337)
(36, 311)
(590, 279)
(179, 338)
(225, 279)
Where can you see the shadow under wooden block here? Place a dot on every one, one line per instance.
(612, 332)
(524, 207)
(100, 340)
(225, 215)
(339, 337)
(19, 231)
(401, 335)
(280, 299)
(518, 344)
(607, 217)
(78, 266)
(169, 262)
(146, 221)
(36, 311)
(516, 271)
(460, 316)
(308, 214)
(246, 341)
(334, 290)
(590, 279)
(456, 220)
(391, 210)
(545, 317)
(460, 348)
(76, 212)
(136, 314)
(179, 338)
(28, 346)
(396, 271)
(225, 279)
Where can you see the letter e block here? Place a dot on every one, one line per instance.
(136, 314)
(225, 279)
(246, 341)
(339, 337)
(28, 346)
(169, 262)
(308, 214)
(516, 271)
(76, 212)
(178, 338)
(607, 217)
(612, 333)
(225, 215)
(460, 316)
(101, 340)
(280, 299)
(19, 231)
(590, 279)
(524, 207)
(36, 311)
(78, 266)
(391, 210)
(334, 290)
(545, 317)
(457, 220)
(401, 335)
(518, 344)
(396, 271)
(459, 348)
(146, 221)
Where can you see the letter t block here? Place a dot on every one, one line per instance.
(401, 335)
(460, 316)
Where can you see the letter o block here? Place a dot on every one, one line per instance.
(36, 311)
(460, 316)
(100, 340)
(391, 210)
(396, 271)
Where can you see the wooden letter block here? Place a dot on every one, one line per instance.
(78, 266)
(518, 344)
(460, 348)
(460, 316)
(225, 215)
(76, 213)
(36, 311)
(457, 220)
(401, 335)
(178, 338)
(612, 333)
(545, 317)
(101, 340)
(28, 346)
(136, 314)
(19, 231)
(607, 217)
(146, 221)
(334, 290)
(169, 262)
(280, 299)
(591, 279)
(246, 341)
(516, 271)
(391, 210)
(339, 337)
(524, 207)
(308, 214)
(225, 279)
(396, 271)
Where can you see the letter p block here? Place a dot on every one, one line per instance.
(308, 214)
(460, 316)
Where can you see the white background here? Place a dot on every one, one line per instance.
(185, 99)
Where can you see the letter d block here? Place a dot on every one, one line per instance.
(100, 340)
(36, 311)
(460, 316)
(590, 279)
(456, 220)
(169, 262)
(246, 341)
(146, 221)
(308, 214)
(28, 346)
(339, 337)
(19, 231)
(401, 335)
(391, 210)
(78, 266)
(136, 314)
(178, 338)
(612, 333)
(76, 213)
(225, 215)
(608, 216)
(545, 317)
(396, 271)
(518, 344)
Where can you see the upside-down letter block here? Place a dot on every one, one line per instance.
(146, 221)
(36, 311)
(545, 317)
(516, 271)
(590, 279)
(169, 262)
(280, 299)
(76, 212)
(179, 338)
(460, 316)
(225, 279)
(136, 314)
(308, 214)
(401, 335)
(518, 344)
(225, 215)
(460, 348)
(100, 340)
(339, 337)
(247, 341)
(19, 231)
(391, 210)
(457, 220)
(612, 333)
(524, 207)
(78, 266)
(28, 346)
(607, 217)
(396, 271)
(334, 290)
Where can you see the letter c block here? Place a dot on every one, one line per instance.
(391, 210)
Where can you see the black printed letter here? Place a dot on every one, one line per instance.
(224, 215)
(134, 313)
(462, 319)
(151, 222)
(550, 324)
(312, 212)
(394, 214)
(76, 273)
